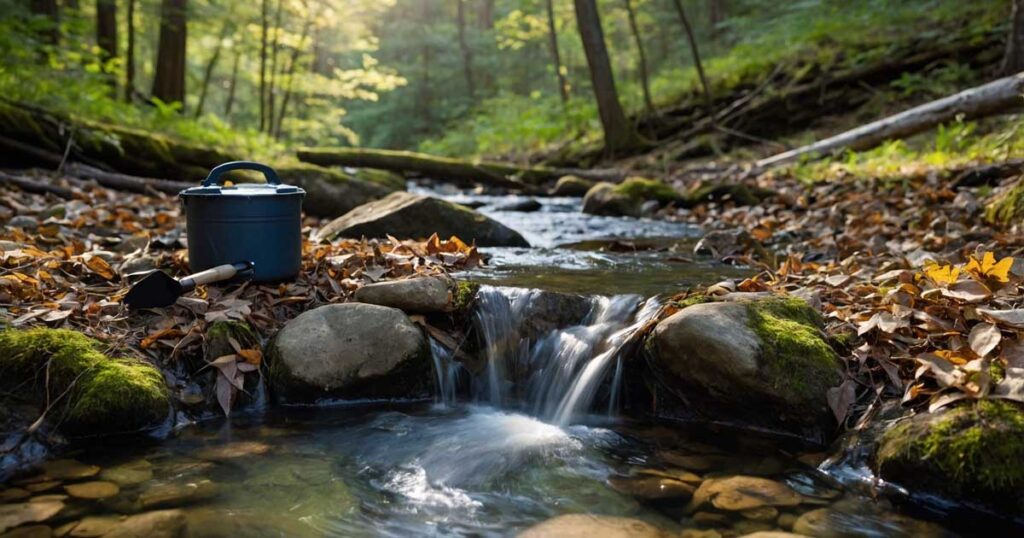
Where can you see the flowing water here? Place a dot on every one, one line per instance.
(532, 434)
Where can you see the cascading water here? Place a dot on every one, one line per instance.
(555, 375)
(446, 373)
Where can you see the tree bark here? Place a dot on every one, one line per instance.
(556, 56)
(272, 72)
(264, 23)
(233, 84)
(635, 30)
(992, 98)
(50, 35)
(129, 61)
(211, 65)
(169, 83)
(106, 35)
(685, 21)
(717, 13)
(619, 134)
(446, 169)
(467, 52)
(1013, 61)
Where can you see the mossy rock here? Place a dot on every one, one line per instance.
(464, 296)
(384, 178)
(763, 362)
(644, 189)
(970, 452)
(571, 186)
(603, 200)
(104, 395)
(1007, 207)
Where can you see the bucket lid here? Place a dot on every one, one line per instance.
(212, 185)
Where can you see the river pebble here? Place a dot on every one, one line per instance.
(739, 493)
(68, 470)
(652, 488)
(93, 490)
(14, 515)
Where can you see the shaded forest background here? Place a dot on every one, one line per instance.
(501, 78)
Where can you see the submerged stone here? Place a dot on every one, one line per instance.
(68, 470)
(105, 395)
(743, 493)
(350, 351)
(93, 490)
(652, 487)
(592, 526)
(413, 216)
(230, 451)
(158, 524)
(14, 515)
(761, 362)
(971, 452)
(178, 494)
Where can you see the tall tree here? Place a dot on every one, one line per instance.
(485, 16)
(106, 34)
(685, 21)
(264, 24)
(275, 47)
(50, 31)
(129, 60)
(212, 64)
(717, 12)
(169, 82)
(619, 134)
(233, 83)
(1013, 62)
(293, 65)
(635, 30)
(556, 56)
(467, 52)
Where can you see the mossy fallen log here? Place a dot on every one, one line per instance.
(463, 172)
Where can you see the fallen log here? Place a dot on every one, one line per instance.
(992, 98)
(36, 187)
(458, 171)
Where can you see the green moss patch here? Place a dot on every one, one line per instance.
(464, 295)
(638, 188)
(103, 395)
(797, 361)
(973, 449)
(1006, 207)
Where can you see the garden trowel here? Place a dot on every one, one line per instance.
(158, 289)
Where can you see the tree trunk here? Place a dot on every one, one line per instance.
(211, 65)
(129, 61)
(169, 83)
(717, 13)
(106, 36)
(424, 94)
(485, 17)
(619, 134)
(50, 34)
(467, 52)
(556, 56)
(272, 72)
(292, 68)
(635, 30)
(992, 98)
(1013, 62)
(234, 83)
(708, 101)
(264, 24)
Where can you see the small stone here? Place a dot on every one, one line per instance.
(93, 490)
(69, 470)
(709, 519)
(129, 474)
(762, 513)
(738, 493)
(652, 488)
(25, 222)
(94, 526)
(14, 494)
(592, 526)
(523, 206)
(786, 521)
(14, 515)
(158, 524)
(230, 451)
(40, 487)
(49, 498)
(681, 475)
(178, 494)
(31, 531)
(747, 526)
(419, 295)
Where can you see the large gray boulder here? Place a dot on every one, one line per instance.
(413, 216)
(350, 351)
(420, 295)
(761, 362)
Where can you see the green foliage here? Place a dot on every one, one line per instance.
(104, 395)
(1007, 208)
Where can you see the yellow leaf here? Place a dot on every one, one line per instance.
(988, 267)
(251, 356)
(943, 275)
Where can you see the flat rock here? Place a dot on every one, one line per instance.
(69, 470)
(129, 474)
(350, 351)
(412, 216)
(14, 494)
(652, 487)
(592, 526)
(178, 494)
(742, 493)
(93, 490)
(14, 515)
(30, 531)
(94, 526)
(417, 295)
(158, 524)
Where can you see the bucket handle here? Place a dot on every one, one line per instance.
(268, 172)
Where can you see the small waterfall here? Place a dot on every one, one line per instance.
(446, 373)
(557, 373)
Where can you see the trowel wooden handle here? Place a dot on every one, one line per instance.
(209, 276)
